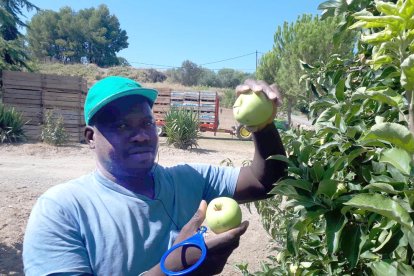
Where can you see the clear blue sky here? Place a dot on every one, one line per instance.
(164, 33)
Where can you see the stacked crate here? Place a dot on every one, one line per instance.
(208, 110)
(34, 94)
(177, 99)
(162, 105)
(204, 103)
(191, 100)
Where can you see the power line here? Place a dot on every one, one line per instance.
(157, 65)
(228, 59)
(160, 66)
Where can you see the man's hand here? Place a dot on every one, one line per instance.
(219, 247)
(270, 91)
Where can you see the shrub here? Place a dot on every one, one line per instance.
(228, 98)
(182, 128)
(11, 125)
(53, 131)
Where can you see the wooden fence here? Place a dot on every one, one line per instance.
(34, 94)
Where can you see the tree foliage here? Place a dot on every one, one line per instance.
(12, 51)
(349, 202)
(88, 36)
(308, 39)
(191, 74)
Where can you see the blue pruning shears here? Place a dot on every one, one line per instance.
(197, 240)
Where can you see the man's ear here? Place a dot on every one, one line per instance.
(89, 136)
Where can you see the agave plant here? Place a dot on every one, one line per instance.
(11, 125)
(182, 128)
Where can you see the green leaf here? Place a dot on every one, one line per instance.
(305, 154)
(351, 243)
(338, 165)
(381, 268)
(330, 4)
(407, 9)
(393, 133)
(354, 154)
(335, 222)
(283, 158)
(382, 205)
(340, 90)
(410, 197)
(407, 74)
(317, 171)
(322, 103)
(291, 193)
(381, 187)
(376, 38)
(284, 190)
(394, 242)
(327, 114)
(379, 61)
(305, 65)
(314, 91)
(394, 21)
(387, 8)
(298, 183)
(386, 96)
(409, 234)
(404, 269)
(327, 187)
(327, 146)
(385, 241)
(295, 170)
(297, 228)
(399, 158)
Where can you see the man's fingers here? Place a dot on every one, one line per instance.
(242, 88)
(227, 239)
(198, 217)
(194, 223)
(276, 95)
(272, 92)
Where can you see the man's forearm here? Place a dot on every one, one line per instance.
(267, 143)
(256, 180)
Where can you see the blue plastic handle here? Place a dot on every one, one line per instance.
(197, 240)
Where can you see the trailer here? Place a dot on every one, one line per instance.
(207, 106)
(205, 103)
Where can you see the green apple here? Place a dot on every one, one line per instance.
(252, 109)
(223, 213)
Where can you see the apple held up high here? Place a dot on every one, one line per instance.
(223, 213)
(252, 108)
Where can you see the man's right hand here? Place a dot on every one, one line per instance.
(219, 247)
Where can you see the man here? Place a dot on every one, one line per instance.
(120, 219)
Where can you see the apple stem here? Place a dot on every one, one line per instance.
(217, 207)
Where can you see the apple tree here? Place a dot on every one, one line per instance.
(348, 201)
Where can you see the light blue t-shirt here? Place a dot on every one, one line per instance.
(93, 225)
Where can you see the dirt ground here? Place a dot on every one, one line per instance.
(27, 170)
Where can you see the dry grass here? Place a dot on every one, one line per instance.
(93, 73)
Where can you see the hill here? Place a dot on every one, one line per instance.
(93, 73)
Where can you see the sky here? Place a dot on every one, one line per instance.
(214, 34)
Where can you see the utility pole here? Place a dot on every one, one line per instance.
(256, 60)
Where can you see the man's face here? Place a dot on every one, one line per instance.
(125, 137)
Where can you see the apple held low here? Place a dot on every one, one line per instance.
(223, 214)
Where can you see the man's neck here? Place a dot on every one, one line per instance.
(142, 184)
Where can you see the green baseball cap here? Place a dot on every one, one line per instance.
(111, 88)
